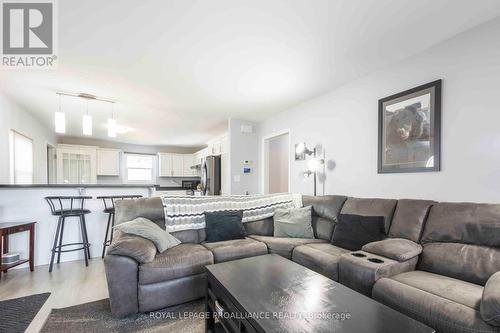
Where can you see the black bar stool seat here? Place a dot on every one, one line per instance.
(69, 212)
(65, 207)
(109, 208)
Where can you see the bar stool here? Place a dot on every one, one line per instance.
(109, 208)
(63, 207)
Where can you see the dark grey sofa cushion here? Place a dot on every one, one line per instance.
(324, 213)
(140, 249)
(224, 225)
(236, 249)
(150, 208)
(284, 245)
(327, 206)
(371, 207)
(354, 231)
(467, 223)
(490, 303)
(409, 218)
(323, 258)
(440, 309)
(263, 227)
(399, 249)
(182, 260)
(470, 263)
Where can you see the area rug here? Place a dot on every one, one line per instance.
(18, 313)
(96, 317)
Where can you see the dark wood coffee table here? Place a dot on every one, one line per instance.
(272, 294)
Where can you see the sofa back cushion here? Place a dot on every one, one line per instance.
(409, 219)
(263, 227)
(471, 263)
(371, 207)
(325, 210)
(149, 208)
(461, 241)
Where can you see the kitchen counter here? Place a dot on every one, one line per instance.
(163, 188)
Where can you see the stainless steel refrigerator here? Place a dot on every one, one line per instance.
(211, 175)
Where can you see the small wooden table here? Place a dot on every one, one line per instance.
(9, 228)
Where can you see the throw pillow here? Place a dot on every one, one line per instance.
(352, 232)
(148, 229)
(293, 222)
(224, 225)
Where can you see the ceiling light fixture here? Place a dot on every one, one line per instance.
(60, 117)
(60, 120)
(112, 128)
(87, 122)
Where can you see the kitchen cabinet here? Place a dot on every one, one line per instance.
(108, 162)
(176, 165)
(165, 165)
(189, 161)
(76, 164)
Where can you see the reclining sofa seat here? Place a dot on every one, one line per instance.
(396, 254)
(324, 215)
(324, 258)
(461, 253)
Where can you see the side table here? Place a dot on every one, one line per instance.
(9, 228)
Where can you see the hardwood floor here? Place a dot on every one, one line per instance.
(70, 283)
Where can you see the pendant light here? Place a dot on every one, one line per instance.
(112, 124)
(60, 120)
(87, 122)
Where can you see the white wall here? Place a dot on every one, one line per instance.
(243, 147)
(344, 122)
(278, 160)
(14, 117)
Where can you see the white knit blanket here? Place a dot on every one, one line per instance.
(187, 212)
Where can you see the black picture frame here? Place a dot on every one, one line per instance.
(409, 130)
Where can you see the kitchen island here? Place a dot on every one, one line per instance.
(26, 203)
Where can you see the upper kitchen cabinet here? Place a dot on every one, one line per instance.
(188, 163)
(76, 164)
(218, 146)
(176, 165)
(108, 162)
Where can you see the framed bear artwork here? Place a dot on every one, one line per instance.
(409, 130)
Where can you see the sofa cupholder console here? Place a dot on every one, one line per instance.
(376, 260)
(360, 270)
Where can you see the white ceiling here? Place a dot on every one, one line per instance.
(179, 69)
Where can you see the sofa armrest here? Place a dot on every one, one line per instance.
(490, 303)
(399, 249)
(140, 249)
(122, 277)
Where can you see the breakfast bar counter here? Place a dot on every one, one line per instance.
(20, 203)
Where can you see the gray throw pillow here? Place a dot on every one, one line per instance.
(293, 223)
(147, 229)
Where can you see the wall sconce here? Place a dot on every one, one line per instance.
(313, 164)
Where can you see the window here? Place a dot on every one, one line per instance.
(139, 167)
(21, 159)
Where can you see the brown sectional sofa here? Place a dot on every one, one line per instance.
(440, 263)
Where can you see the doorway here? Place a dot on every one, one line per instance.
(276, 151)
